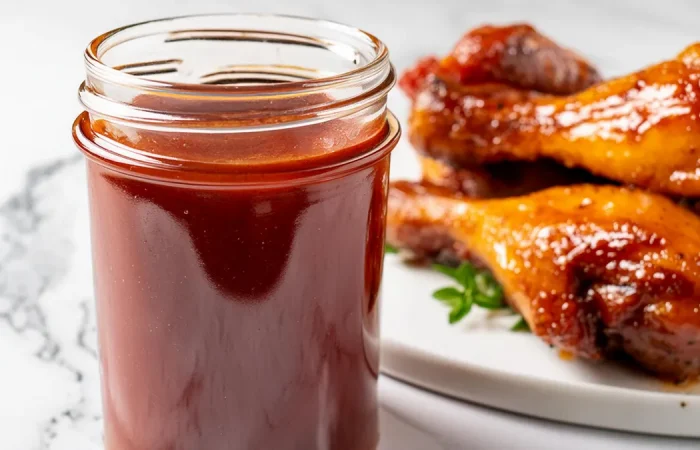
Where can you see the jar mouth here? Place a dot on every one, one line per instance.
(105, 42)
(252, 70)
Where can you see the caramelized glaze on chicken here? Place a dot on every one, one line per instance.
(517, 55)
(594, 269)
(642, 129)
(591, 268)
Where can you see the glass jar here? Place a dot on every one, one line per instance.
(238, 170)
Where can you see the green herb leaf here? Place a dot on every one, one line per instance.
(465, 274)
(476, 287)
(388, 248)
(488, 303)
(489, 287)
(460, 312)
(447, 293)
(452, 297)
(520, 325)
(447, 270)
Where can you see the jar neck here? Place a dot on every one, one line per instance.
(234, 74)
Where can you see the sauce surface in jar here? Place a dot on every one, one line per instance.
(237, 274)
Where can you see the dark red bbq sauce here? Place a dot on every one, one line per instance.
(239, 309)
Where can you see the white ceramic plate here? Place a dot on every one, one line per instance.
(482, 361)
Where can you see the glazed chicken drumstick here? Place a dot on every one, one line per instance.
(502, 178)
(592, 269)
(504, 65)
(516, 55)
(642, 129)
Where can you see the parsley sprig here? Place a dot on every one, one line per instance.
(475, 287)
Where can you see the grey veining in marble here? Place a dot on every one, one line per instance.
(49, 378)
(46, 318)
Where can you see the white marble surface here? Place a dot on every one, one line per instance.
(49, 390)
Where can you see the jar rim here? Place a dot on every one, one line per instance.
(100, 70)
